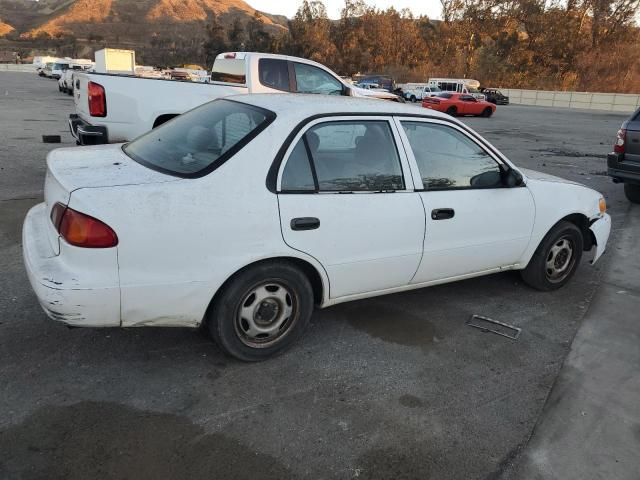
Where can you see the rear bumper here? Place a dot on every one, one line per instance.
(87, 134)
(621, 170)
(56, 279)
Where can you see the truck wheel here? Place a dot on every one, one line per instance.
(413, 99)
(632, 192)
(262, 311)
(556, 258)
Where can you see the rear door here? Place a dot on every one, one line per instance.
(346, 198)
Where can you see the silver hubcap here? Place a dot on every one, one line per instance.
(265, 314)
(559, 260)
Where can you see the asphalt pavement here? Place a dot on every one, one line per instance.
(388, 388)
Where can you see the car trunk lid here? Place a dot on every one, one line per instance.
(70, 169)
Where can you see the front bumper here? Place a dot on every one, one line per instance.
(621, 170)
(85, 133)
(78, 287)
(601, 229)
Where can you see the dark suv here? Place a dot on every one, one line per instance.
(624, 163)
(494, 95)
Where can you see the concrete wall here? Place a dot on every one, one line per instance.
(612, 102)
(12, 67)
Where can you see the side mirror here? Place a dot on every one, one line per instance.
(513, 178)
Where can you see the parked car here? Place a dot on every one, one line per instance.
(494, 95)
(458, 104)
(47, 70)
(419, 92)
(65, 83)
(384, 82)
(57, 69)
(115, 108)
(624, 162)
(235, 215)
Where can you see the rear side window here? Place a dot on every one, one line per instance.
(198, 142)
(274, 73)
(229, 70)
(345, 156)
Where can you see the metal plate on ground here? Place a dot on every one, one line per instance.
(487, 324)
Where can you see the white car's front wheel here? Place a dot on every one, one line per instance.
(262, 311)
(556, 258)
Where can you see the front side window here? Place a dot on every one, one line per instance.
(448, 159)
(346, 156)
(274, 73)
(310, 79)
(201, 140)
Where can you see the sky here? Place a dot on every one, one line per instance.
(289, 7)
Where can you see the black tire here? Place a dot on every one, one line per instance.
(413, 99)
(487, 112)
(453, 111)
(632, 192)
(538, 274)
(231, 330)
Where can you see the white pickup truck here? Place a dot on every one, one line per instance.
(118, 108)
(413, 93)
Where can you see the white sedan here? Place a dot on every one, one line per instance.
(247, 211)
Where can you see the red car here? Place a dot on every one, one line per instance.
(459, 104)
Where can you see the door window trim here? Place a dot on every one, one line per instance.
(405, 168)
(502, 164)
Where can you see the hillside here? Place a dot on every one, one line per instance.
(126, 21)
(5, 28)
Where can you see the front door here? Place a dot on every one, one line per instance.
(474, 223)
(346, 199)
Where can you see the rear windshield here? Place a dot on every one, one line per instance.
(229, 70)
(198, 142)
(445, 95)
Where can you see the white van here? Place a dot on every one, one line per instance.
(58, 68)
(458, 85)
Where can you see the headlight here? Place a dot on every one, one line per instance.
(602, 204)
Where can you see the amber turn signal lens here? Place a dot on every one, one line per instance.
(603, 205)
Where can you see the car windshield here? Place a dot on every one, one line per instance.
(198, 142)
(474, 90)
(435, 89)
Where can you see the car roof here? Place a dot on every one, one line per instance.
(298, 107)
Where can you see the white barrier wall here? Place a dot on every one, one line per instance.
(612, 102)
(12, 67)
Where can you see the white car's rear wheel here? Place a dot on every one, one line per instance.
(556, 258)
(262, 311)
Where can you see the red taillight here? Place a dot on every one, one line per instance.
(621, 138)
(229, 55)
(82, 230)
(97, 100)
(56, 214)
